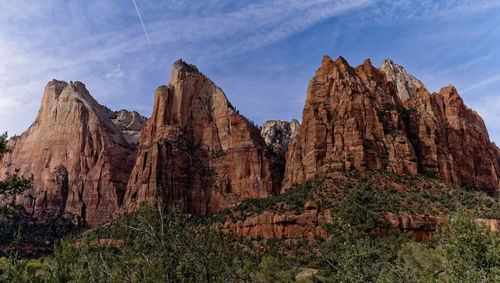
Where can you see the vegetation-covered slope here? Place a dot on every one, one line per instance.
(158, 245)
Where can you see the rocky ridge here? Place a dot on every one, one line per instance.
(405, 84)
(79, 159)
(353, 119)
(197, 152)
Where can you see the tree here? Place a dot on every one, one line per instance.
(13, 185)
(472, 251)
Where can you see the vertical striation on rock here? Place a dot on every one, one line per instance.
(196, 151)
(405, 84)
(451, 140)
(352, 119)
(78, 158)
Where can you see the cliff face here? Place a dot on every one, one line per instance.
(279, 134)
(451, 140)
(79, 159)
(130, 124)
(197, 151)
(352, 119)
(405, 84)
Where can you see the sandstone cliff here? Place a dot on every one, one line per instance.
(79, 159)
(451, 140)
(196, 151)
(353, 119)
(405, 84)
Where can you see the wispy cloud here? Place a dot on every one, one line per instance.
(115, 73)
(88, 38)
(482, 83)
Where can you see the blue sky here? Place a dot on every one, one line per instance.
(261, 53)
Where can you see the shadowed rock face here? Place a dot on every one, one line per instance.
(78, 158)
(405, 84)
(196, 151)
(451, 140)
(353, 119)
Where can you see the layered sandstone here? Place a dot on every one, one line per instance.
(310, 223)
(79, 160)
(352, 119)
(405, 83)
(288, 225)
(451, 140)
(196, 151)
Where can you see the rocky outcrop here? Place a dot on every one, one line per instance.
(421, 227)
(451, 140)
(309, 224)
(78, 158)
(405, 84)
(352, 119)
(289, 226)
(196, 151)
(278, 134)
(130, 124)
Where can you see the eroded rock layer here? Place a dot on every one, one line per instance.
(354, 119)
(451, 140)
(78, 158)
(197, 152)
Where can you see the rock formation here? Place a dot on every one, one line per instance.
(271, 224)
(197, 152)
(309, 224)
(352, 119)
(130, 124)
(406, 84)
(451, 140)
(78, 158)
(279, 134)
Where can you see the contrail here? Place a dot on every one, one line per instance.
(142, 23)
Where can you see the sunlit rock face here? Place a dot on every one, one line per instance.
(197, 152)
(405, 84)
(278, 134)
(354, 118)
(79, 159)
(130, 124)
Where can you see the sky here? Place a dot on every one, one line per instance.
(261, 53)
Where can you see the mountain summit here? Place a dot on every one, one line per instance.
(79, 159)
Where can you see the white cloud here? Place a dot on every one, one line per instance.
(482, 83)
(116, 73)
